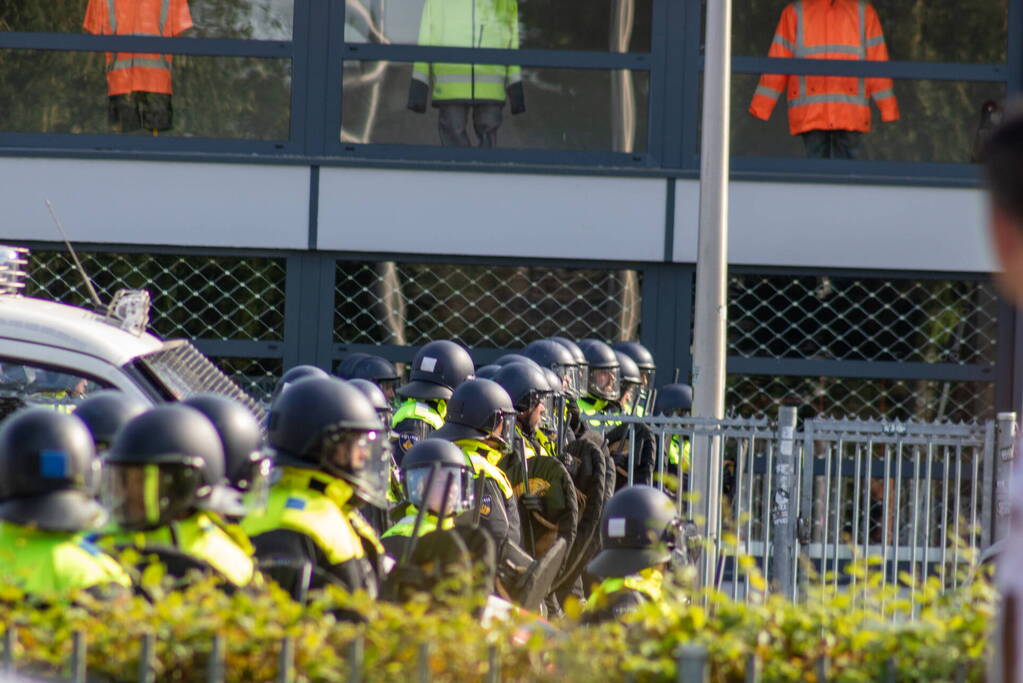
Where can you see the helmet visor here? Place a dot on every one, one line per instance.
(647, 380)
(548, 416)
(605, 383)
(582, 378)
(148, 496)
(362, 458)
(569, 379)
(256, 484)
(505, 433)
(421, 491)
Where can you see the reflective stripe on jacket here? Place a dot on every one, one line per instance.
(52, 564)
(483, 459)
(647, 583)
(315, 505)
(827, 29)
(201, 536)
(406, 524)
(469, 23)
(131, 72)
(413, 409)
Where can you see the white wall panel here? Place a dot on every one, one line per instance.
(156, 202)
(845, 226)
(438, 212)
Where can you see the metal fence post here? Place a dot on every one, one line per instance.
(146, 653)
(782, 514)
(423, 661)
(215, 664)
(286, 660)
(691, 664)
(752, 668)
(493, 665)
(356, 658)
(1005, 442)
(78, 652)
(10, 643)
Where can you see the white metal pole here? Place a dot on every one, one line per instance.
(712, 270)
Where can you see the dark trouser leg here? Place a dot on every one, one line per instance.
(486, 119)
(452, 120)
(846, 144)
(817, 144)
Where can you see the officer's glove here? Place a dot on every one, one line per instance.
(517, 98)
(532, 503)
(418, 93)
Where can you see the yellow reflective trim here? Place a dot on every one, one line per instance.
(151, 493)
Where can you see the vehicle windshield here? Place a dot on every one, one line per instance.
(183, 371)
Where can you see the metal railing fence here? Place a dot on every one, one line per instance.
(805, 501)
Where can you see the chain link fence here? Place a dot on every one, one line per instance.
(863, 319)
(408, 304)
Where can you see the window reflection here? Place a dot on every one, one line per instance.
(607, 25)
(568, 109)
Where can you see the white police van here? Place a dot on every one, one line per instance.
(56, 355)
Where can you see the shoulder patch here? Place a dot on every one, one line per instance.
(485, 505)
(294, 504)
(406, 440)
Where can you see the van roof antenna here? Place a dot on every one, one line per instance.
(74, 255)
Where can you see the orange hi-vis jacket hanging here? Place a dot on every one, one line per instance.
(827, 29)
(130, 72)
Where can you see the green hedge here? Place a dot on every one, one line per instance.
(929, 634)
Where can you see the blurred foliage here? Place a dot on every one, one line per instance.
(45, 91)
(927, 633)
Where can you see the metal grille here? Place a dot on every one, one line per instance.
(483, 306)
(194, 296)
(183, 370)
(257, 376)
(866, 319)
(865, 399)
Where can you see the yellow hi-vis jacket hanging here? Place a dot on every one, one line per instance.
(469, 23)
(827, 29)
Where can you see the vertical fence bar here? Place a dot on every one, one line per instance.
(78, 657)
(632, 453)
(928, 499)
(837, 534)
(765, 513)
(1005, 439)
(493, 665)
(974, 491)
(752, 668)
(822, 666)
(423, 662)
(356, 659)
(957, 497)
(886, 514)
(691, 664)
(915, 525)
(826, 522)
(215, 664)
(750, 470)
(783, 516)
(661, 453)
(898, 510)
(738, 474)
(10, 643)
(857, 466)
(147, 652)
(946, 462)
(286, 660)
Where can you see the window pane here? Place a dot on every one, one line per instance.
(938, 121)
(29, 384)
(256, 19)
(566, 109)
(936, 31)
(610, 25)
(215, 97)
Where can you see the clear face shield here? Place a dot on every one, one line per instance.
(647, 382)
(149, 496)
(457, 481)
(255, 486)
(364, 460)
(504, 432)
(549, 413)
(629, 397)
(605, 383)
(569, 379)
(582, 378)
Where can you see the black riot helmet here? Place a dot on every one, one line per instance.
(376, 396)
(515, 358)
(163, 466)
(581, 368)
(347, 366)
(643, 359)
(105, 412)
(432, 467)
(553, 381)
(674, 400)
(295, 374)
(605, 371)
(478, 408)
(47, 462)
(639, 528)
(437, 369)
(488, 371)
(381, 372)
(527, 387)
(246, 463)
(550, 354)
(329, 425)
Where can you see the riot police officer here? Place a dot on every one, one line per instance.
(437, 369)
(381, 372)
(644, 360)
(604, 379)
(481, 422)
(631, 385)
(332, 454)
(347, 366)
(105, 412)
(642, 535)
(676, 400)
(380, 517)
(293, 375)
(158, 482)
(247, 463)
(581, 374)
(46, 508)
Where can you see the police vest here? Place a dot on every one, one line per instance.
(316, 505)
(469, 23)
(527, 444)
(679, 451)
(648, 583)
(406, 524)
(203, 536)
(414, 409)
(546, 445)
(54, 564)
